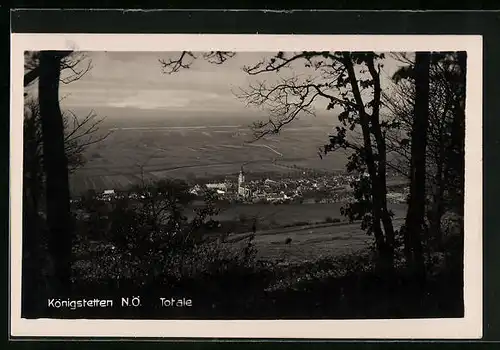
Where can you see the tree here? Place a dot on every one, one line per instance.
(414, 225)
(59, 220)
(444, 153)
(71, 63)
(149, 225)
(456, 165)
(344, 79)
(32, 225)
(347, 80)
(78, 133)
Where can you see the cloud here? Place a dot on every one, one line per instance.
(140, 102)
(168, 99)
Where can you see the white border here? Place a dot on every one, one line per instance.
(469, 327)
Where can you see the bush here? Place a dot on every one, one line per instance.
(329, 219)
(215, 259)
(228, 281)
(206, 261)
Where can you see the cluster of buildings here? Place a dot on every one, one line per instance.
(319, 189)
(325, 188)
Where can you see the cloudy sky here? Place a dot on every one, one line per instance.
(134, 82)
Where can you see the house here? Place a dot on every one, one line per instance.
(108, 194)
(217, 186)
(195, 190)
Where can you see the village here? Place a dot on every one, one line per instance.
(305, 189)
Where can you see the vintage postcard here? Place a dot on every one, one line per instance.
(246, 186)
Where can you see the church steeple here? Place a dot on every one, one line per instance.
(241, 178)
(242, 191)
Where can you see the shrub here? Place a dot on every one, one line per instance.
(329, 219)
(204, 262)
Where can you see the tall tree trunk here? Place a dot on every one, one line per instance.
(416, 208)
(439, 183)
(31, 230)
(382, 160)
(378, 188)
(55, 163)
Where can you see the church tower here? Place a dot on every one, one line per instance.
(241, 178)
(242, 191)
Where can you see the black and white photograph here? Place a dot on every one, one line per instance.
(251, 185)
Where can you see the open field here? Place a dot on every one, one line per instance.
(311, 243)
(289, 214)
(199, 151)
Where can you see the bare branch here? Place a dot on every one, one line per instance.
(284, 102)
(218, 57)
(280, 61)
(173, 66)
(79, 133)
(71, 64)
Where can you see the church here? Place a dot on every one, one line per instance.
(243, 191)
